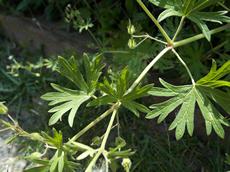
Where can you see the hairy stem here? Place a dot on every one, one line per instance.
(168, 39)
(145, 71)
(186, 67)
(200, 36)
(179, 28)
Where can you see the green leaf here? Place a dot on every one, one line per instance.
(218, 17)
(117, 91)
(61, 162)
(104, 100)
(56, 140)
(168, 13)
(185, 7)
(122, 82)
(220, 97)
(187, 96)
(54, 162)
(38, 169)
(175, 89)
(191, 9)
(202, 25)
(163, 109)
(65, 100)
(161, 92)
(70, 70)
(92, 71)
(212, 79)
(185, 116)
(137, 93)
(210, 114)
(135, 107)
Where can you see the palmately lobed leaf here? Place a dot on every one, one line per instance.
(185, 98)
(191, 9)
(67, 100)
(214, 78)
(63, 101)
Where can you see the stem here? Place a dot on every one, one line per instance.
(200, 36)
(139, 43)
(150, 37)
(93, 123)
(168, 39)
(95, 39)
(186, 67)
(118, 126)
(102, 147)
(179, 28)
(224, 6)
(145, 71)
(108, 129)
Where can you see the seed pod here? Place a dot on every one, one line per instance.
(132, 43)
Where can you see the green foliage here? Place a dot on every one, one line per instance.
(193, 11)
(114, 92)
(204, 93)
(75, 17)
(214, 78)
(66, 99)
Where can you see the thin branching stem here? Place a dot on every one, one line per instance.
(148, 67)
(92, 124)
(200, 36)
(149, 37)
(139, 43)
(179, 28)
(104, 141)
(167, 38)
(185, 65)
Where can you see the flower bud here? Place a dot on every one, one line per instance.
(3, 109)
(131, 29)
(126, 163)
(132, 43)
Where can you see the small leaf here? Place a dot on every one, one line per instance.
(202, 25)
(84, 155)
(104, 100)
(135, 107)
(212, 79)
(61, 162)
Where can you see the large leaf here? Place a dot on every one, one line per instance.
(86, 79)
(64, 100)
(68, 100)
(191, 9)
(185, 98)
